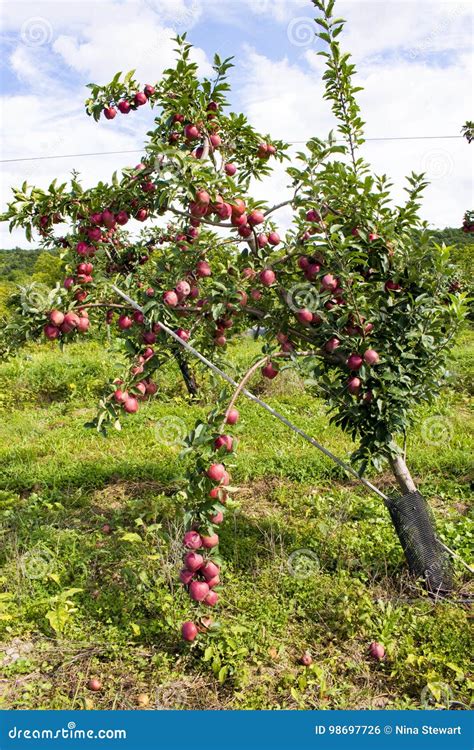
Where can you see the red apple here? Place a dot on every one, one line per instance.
(184, 335)
(210, 570)
(210, 541)
(304, 316)
(377, 651)
(203, 197)
(124, 106)
(371, 357)
(191, 132)
(232, 416)
(198, 590)
(239, 220)
(238, 207)
(189, 631)
(274, 238)
(216, 472)
(230, 169)
(267, 277)
(353, 385)
(245, 231)
(108, 219)
(149, 90)
(223, 441)
(331, 345)
(313, 215)
(170, 298)
(140, 98)
(354, 362)
(193, 561)
(255, 217)
(328, 282)
(131, 405)
(110, 113)
(270, 372)
(51, 331)
(94, 234)
(56, 317)
(192, 540)
(122, 218)
(262, 240)
(211, 598)
(124, 322)
(186, 576)
(217, 518)
(94, 685)
(306, 660)
(203, 269)
(71, 320)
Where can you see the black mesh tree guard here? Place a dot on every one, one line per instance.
(424, 552)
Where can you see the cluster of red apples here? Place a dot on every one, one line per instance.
(126, 105)
(201, 575)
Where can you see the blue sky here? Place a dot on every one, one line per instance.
(414, 61)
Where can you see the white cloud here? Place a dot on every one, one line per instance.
(79, 42)
(408, 89)
(404, 95)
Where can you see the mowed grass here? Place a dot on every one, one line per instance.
(311, 559)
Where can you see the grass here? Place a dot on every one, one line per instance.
(311, 560)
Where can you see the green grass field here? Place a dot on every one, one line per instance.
(312, 561)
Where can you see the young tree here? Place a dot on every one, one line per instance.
(357, 283)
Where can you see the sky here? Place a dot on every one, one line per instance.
(414, 62)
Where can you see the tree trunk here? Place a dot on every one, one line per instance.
(187, 374)
(415, 528)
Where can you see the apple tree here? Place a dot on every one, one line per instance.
(356, 296)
